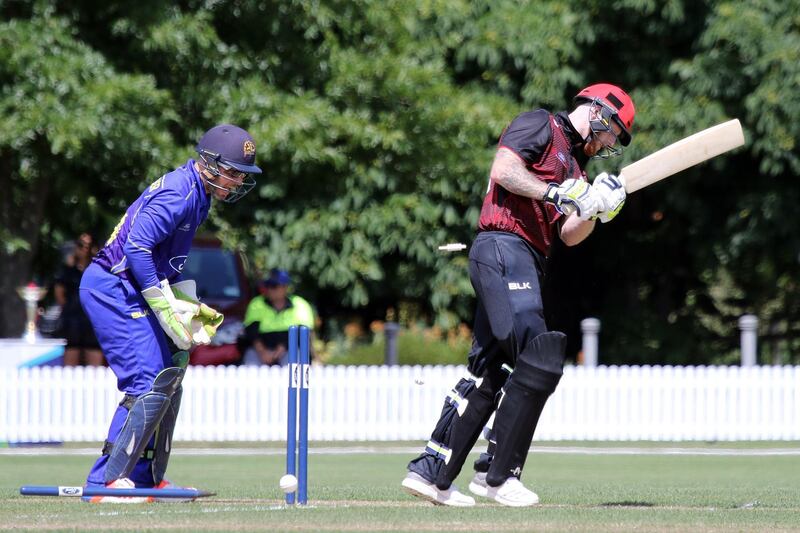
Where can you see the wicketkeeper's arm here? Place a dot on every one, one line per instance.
(154, 223)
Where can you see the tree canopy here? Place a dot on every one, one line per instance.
(376, 123)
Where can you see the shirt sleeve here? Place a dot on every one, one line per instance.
(528, 135)
(156, 221)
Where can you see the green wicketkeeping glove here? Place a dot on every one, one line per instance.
(205, 323)
(174, 316)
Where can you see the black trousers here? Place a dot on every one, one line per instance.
(506, 273)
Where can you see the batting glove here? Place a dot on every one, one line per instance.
(174, 315)
(612, 192)
(574, 196)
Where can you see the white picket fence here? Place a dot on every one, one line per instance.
(657, 403)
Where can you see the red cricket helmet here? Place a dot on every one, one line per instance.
(615, 98)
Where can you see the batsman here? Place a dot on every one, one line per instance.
(538, 191)
(147, 317)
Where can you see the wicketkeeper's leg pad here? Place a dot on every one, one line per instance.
(143, 418)
(536, 375)
(163, 438)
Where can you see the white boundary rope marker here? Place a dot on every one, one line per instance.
(452, 247)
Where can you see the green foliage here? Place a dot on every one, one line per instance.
(376, 124)
(529, 49)
(414, 347)
(751, 56)
(75, 130)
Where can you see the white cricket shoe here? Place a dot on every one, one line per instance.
(420, 487)
(511, 493)
(122, 483)
(478, 485)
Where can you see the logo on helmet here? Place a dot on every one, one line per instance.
(249, 148)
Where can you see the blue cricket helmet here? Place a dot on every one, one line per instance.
(231, 146)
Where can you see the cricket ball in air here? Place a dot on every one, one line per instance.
(288, 483)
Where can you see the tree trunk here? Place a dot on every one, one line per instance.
(13, 274)
(21, 214)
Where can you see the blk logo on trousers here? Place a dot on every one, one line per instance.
(515, 286)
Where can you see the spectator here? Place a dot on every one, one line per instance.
(268, 318)
(82, 346)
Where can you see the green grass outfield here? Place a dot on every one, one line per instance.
(583, 487)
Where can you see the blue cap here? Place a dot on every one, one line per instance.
(230, 145)
(277, 277)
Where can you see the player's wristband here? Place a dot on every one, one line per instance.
(551, 194)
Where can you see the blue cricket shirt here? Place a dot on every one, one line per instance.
(152, 239)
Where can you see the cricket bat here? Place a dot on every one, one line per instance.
(682, 154)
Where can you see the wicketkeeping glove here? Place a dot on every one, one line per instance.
(206, 321)
(174, 315)
(612, 192)
(574, 196)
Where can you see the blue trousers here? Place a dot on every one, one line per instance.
(134, 345)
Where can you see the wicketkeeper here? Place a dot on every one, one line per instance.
(538, 190)
(146, 317)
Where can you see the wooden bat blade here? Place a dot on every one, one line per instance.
(683, 154)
